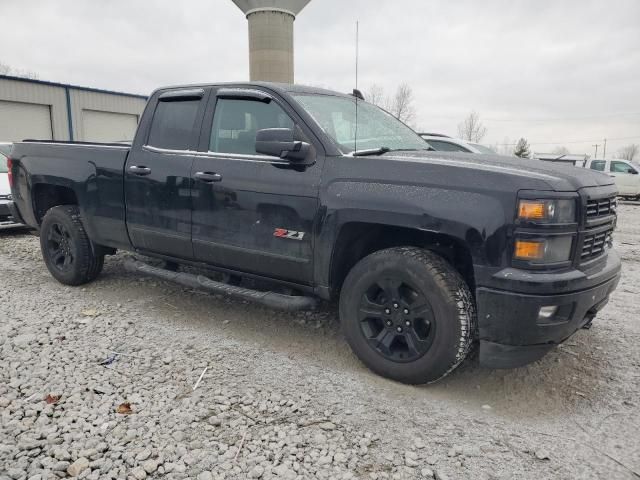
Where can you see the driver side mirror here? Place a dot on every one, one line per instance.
(281, 143)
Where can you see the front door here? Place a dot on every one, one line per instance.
(252, 213)
(626, 177)
(158, 176)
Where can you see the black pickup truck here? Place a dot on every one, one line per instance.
(333, 198)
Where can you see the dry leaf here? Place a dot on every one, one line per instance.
(52, 399)
(124, 408)
(91, 312)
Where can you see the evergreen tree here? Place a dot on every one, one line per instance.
(522, 149)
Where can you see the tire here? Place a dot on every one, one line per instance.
(431, 304)
(66, 248)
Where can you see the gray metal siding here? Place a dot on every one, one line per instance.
(55, 96)
(27, 92)
(101, 102)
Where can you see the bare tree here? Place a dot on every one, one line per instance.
(9, 70)
(376, 95)
(522, 149)
(471, 128)
(628, 152)
(561, 150)
(401, 104)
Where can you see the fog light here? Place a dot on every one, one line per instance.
(546, 313)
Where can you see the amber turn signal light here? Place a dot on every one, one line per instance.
(531, 210)
(529, 250)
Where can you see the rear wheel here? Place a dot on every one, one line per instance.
(407, 314)
(66, 248)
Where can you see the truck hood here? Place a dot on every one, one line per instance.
(557, 176)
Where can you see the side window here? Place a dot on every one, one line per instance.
(236, 122)
(598, 165)
(443, 146)
(621, 167)
(173, 124)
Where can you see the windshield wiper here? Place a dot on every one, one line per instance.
(371, 151)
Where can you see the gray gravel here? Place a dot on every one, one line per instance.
(282, 396)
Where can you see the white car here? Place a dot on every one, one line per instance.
(443, 143)
(625, 173)
(5, 191)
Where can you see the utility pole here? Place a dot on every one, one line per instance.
(596, 145)
(604, 155)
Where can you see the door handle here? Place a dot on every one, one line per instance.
(208, 177)
(139, 170)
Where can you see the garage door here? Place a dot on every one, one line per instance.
(100, 126)
(24, 120)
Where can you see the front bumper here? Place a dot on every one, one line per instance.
(512, 335)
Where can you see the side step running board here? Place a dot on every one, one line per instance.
(269, 299)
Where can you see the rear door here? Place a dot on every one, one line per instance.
(253, 213)
(598, 165)
(158, 175)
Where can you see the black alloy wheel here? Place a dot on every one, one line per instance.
(59, 247)
(397, 321)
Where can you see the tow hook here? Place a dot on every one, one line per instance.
(589, 317)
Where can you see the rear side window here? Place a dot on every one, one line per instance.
(173, 124)
(236, 122)
(3, 163)
(442, 146)
(598, 165)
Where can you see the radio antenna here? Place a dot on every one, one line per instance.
(355, 140)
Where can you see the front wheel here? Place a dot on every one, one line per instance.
(66, 248)
(407, 314)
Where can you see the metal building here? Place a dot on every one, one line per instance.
(53, 111)
(271, 37)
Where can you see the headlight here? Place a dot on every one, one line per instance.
(547, 211)
(541, 251)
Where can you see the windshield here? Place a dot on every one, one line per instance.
(3, 163)
(375, 127)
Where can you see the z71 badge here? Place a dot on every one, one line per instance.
(284, 233)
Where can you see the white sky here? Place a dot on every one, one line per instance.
(563, 71)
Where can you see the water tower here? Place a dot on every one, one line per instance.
(271, 37)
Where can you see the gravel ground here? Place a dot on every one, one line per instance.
(282, 395)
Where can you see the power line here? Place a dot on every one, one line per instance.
(548, 119)
(573, 141)
(553, 119)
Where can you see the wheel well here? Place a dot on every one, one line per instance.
(357, 240)
(48, 196)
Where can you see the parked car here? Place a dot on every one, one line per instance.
(424, 251)
(624, 172)
(5, 191)
(443, 143)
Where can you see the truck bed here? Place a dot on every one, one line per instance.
(89, 173)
